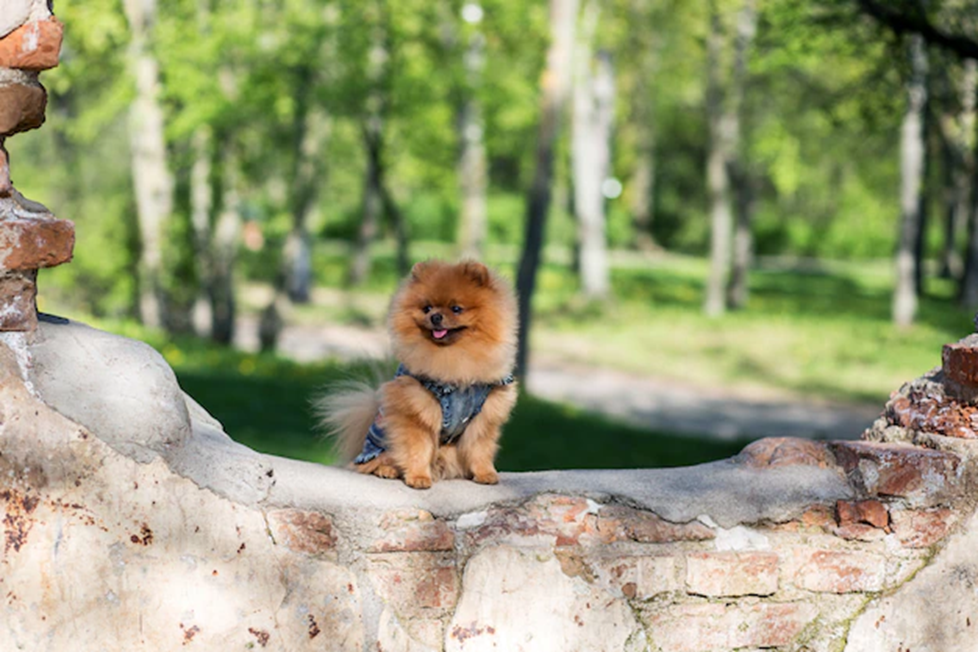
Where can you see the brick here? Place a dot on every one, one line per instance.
(923, 409)
(412, 530)
(34, 242)
(310, 533)
(639, 577)
(870, 512)
(33, 46)
(817, 518)
(784, 451)
(22, 107)
(568, 520)
(415, 584)
(622, 523)
(960, 363)
(918, 528)
(730, 574)
(836, 571)
(18, 300)
(923, 476)
(709, 627)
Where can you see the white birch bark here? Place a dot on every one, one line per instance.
(152, 181)
(912, 157)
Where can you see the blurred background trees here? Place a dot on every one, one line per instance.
(201, 144)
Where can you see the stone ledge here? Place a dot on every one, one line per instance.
(147, 502)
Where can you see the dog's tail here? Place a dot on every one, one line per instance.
(345, 412)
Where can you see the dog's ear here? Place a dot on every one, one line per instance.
(420, 269)
(477, 272)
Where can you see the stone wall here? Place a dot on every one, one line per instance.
(131, 521)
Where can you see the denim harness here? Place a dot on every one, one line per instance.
(459, 405)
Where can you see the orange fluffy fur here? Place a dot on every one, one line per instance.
(477, 312)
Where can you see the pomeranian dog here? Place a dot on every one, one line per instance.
(453, 331)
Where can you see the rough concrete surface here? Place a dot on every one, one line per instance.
(132, 521)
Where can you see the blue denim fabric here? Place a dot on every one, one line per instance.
(459, 405)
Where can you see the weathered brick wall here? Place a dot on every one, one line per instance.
(133, 522)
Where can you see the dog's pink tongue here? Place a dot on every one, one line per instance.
(439, 334)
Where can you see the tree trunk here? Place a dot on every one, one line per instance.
(956, 132)
(966, 185)
(378, 72)
(912, 155)
(224, 250)
(723, 131)
(309, 138)
(472, 166)
(555, 84)
(201, 207)
(743, 237)
(738, 292)
(642, 191)
(152, 180)
(591, 155)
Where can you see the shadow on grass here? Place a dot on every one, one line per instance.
(269, 411)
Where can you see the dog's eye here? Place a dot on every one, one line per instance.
(457, 310)
(426, 309)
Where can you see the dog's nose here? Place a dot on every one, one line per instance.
(436, 319)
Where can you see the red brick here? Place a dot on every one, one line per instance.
(415, 584)
(568, 520)
(922, 528)
(947, 413)
(784, 451)
(310, 533)
(21, 107)
(412, 530)
(728, 574)
(32, 243)
(960, 363)
(18, 300)
(709, 627)
(869, 512)
(621, 523)
(34, 46)
(923, 476)
(638, 577)
(836, 571)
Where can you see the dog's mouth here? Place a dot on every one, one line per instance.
(445, 335)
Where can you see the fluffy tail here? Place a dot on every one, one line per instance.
(345, 412)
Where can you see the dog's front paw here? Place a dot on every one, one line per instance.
(386, 471)
(486, 477)
(417, 481)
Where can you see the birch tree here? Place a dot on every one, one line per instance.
(724, 97)
(473, 164)
(555, 87)
(151, 176)
(593, 113)
(912, 161)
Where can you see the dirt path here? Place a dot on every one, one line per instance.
(647, 402)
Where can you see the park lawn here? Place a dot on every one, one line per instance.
(263, 401)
